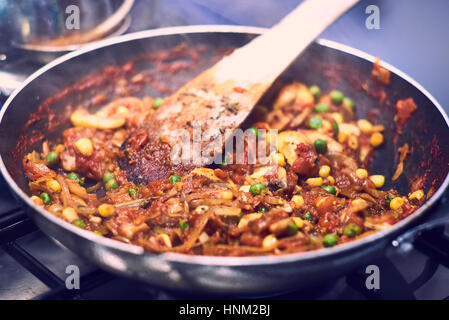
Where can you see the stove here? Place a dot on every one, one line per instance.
(33, 266)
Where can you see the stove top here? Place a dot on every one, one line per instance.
(33, 266)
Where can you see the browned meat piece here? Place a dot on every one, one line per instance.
(305, 163)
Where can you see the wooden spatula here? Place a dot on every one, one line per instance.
(221, 97)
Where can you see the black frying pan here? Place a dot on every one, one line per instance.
(325, 63)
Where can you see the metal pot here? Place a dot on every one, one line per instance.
(325, 63)
(41, 25)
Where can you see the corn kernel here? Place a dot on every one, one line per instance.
(326, 126)
(298, 221)
(396, 203)
(361, 173)
(226, 195)
(338, 117)
(122, 110)
(298, 201)
(377, 139)
(378, 180)
(54, 185)
(279, 159)
(353, 143)
(315, 182)
(69, 214)
(106, 210)
(84, 145)
(269, 242)
(418, 194)
(358, 201)
(37, 200)
(324, 171)
(342, 137)
(365, 126)
(330, 180)
(164, 239)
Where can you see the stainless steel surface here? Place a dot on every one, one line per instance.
(40, 25)
(220, 274)
(16, 283)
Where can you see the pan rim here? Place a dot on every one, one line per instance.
(213, 260)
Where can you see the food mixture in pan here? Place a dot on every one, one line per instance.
(315, 193)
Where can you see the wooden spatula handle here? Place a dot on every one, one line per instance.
(264, 58)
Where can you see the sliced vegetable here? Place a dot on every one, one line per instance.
(183, 225)
(330, 189)
(75, 177)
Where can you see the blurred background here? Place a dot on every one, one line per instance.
(413, 34)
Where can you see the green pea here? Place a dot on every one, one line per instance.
(45, 197)
(263, 210)
(157, 103)
(79, 223)
(315, 91)
(308, 216)
(292, 229)
(132, 192)
(336, 127)
(108, 176)
(348, 102)
(254, 131)
(75, 177)
(330, 189)
(320, 145)
(336, 96)
(111, 184)
(352, 230)
(257, 188)
(52, 157)
(183, 225)
(330, 240)
(174, 179)
(322, 107)
(315, 122)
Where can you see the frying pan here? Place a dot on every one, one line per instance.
(328, 64)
